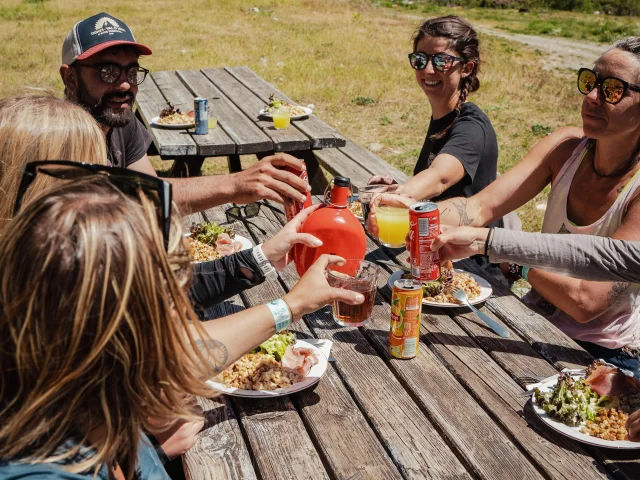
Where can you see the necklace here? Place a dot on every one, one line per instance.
(620, 171)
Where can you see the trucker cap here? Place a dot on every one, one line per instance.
(97, 33)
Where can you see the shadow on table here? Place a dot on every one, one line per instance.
(552, 352)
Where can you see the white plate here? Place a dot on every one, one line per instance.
(316, 372)
(154, 122)
(246, 243)
(574, 432)
(485, 290)
(307, 110)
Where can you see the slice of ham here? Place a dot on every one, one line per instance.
(225, 245)
(611, 382)
(299, 360)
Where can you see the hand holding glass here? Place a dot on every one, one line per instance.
(359, 276)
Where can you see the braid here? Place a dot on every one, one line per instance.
(465, 88)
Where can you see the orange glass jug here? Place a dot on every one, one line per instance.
(340, 231)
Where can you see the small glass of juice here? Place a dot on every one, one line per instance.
(281, 117)
(393, 225)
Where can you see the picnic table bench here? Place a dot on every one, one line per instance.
(457, 410)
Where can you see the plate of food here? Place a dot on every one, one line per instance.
(438, 293)
(280, 366)
(297, 111)
(355, 207)
(209, 241)
(172, 117)
(590, 406)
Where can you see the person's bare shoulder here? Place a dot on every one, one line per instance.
(561, 144)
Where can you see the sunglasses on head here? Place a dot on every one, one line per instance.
(611, 89)
(441, 61)
(127, 181)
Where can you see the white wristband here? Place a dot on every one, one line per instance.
(281, 314)
(263, 262)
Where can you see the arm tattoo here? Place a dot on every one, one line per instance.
(214, 352)
(462, 212)
(617, 289)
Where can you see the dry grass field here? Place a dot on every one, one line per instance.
(332, 53)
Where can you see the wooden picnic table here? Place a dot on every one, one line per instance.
(235, 95)
(457, 410)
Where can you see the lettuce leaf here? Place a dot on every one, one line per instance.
(276, 345)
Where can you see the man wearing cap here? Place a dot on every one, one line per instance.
(100, 71)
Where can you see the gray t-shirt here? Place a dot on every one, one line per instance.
(126, 145)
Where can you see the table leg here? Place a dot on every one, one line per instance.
(187, 167)
(234, 163)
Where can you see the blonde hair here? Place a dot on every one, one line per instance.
(42, 127)
(96, 330)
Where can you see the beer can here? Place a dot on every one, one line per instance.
(201, 113)
(424, 227)
(406, 309)
(294, 207)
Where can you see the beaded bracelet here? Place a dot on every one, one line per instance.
(515, 272)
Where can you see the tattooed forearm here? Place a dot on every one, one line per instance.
(617, 289)
(214, 352)
(462, 212)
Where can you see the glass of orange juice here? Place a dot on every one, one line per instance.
(281, 117)
(393, 225)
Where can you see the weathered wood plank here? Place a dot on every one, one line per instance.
(340, 165)
(248, 138)
(547, 340)
(150, 103)
(216, 142)
(371, 162)
(284, 140)
(321, 134)
(220, 452)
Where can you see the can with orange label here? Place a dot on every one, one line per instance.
(406, 307)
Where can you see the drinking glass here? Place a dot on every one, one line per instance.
(281, 117)
(367, 193)
(360, 276)
(393, 225)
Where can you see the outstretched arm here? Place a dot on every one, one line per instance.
(263, 180)
(517, 186)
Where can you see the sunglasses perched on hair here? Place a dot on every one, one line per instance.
(441, 61)
(611, 89)
(127, 181)
(110, 72)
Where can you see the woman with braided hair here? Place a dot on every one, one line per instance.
(460, 152)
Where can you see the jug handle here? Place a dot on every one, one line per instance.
(328, 189)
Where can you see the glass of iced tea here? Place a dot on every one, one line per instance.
(360, 276)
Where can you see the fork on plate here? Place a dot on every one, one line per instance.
(461, 295)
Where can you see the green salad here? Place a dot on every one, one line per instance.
(207, 233)
(571, 401)
(276, 345)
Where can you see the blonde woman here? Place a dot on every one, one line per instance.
(97, 333)
(42, 127)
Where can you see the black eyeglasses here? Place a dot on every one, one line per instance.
(441, 61)
(612, 89)
(110, 73)
(251, 210)
(127, 181)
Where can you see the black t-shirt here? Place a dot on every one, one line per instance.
(472, 140)
(126, 145)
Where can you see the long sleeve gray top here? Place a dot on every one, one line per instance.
(580, 256)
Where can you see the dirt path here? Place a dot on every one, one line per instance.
(558, 52)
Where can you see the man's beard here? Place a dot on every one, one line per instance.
(111, 117)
